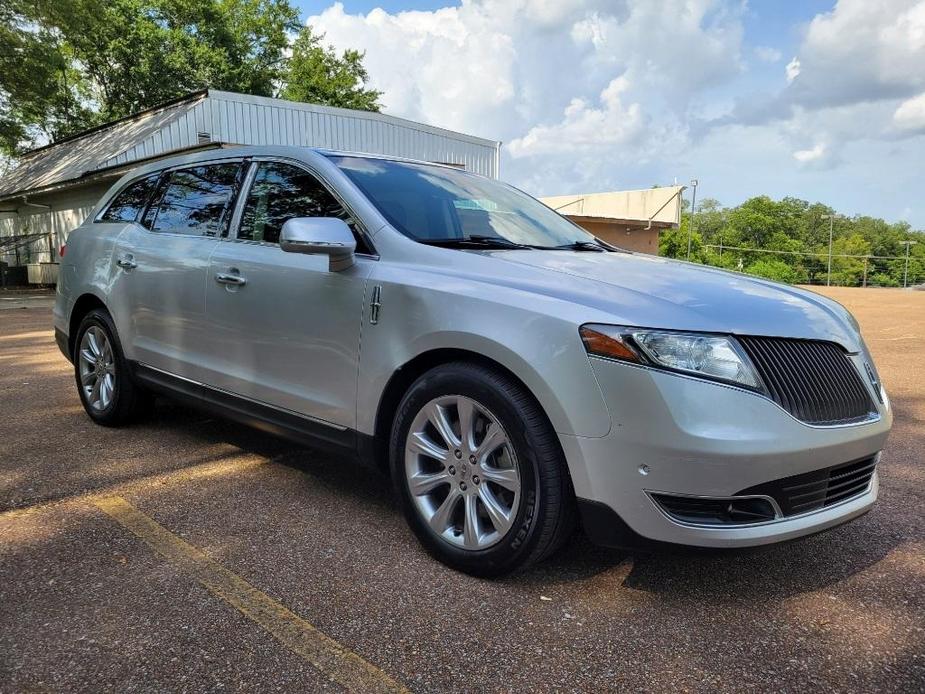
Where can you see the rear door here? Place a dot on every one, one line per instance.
(163, 265)
(285, 330)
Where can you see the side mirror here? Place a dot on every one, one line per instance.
(328, 236)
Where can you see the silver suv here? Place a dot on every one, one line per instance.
(514, 374)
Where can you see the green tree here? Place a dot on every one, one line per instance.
(788, 240)
(774, 269)
(710, 219)
(672, 243)
(318, 75)
(65, 66)
(756, 220)
(848, 271)
(40, 92)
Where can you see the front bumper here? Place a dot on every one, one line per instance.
(673, 434)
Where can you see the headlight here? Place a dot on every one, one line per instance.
(708, 356)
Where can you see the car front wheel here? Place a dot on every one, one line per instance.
(479, 471)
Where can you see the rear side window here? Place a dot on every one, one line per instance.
(281, 192)
(196, 201)
(128, 204)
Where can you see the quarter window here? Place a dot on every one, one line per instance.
(131, 201)
(281, 192)
(196, 201)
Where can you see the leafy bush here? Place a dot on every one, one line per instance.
(773, 269)
(881, 279)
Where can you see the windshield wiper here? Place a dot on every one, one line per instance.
(475, 241)
(593, 246)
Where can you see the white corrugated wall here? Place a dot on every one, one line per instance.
(69, 208)
(249, 120)
(257, 121)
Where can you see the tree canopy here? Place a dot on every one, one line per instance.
(788, 241)
(317, 75)
(67, 66)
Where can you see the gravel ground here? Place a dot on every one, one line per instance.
(87, 606)
(15, 298)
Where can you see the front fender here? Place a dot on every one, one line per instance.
(544, 351)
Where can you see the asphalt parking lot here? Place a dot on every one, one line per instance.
(190, 554)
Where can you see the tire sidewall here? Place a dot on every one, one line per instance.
(480, 385)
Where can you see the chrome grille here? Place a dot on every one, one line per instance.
(813, 380)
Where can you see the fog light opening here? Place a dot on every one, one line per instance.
(716, 511)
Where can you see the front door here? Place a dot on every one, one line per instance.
(285, 330)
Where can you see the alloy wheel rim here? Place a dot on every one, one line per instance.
(462, 472)
(97, 368)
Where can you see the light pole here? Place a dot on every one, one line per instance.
(831, 218)
(690, 227)
(906, 271)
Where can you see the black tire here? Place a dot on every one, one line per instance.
(128, 401)
(545, 517)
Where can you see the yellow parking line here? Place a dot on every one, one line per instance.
(334, 660)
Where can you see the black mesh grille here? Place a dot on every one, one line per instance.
(813, 380)
(812, 491)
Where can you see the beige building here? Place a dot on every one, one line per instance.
(630, 219)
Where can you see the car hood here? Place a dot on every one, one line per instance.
(649, 291)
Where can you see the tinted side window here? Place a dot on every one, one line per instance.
(131, 201)
(197, 201)
(279, 193)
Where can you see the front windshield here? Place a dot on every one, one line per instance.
(436, 203)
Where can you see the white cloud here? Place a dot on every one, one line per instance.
(454, 67)
(609, 94)
(584, 128)
(810, 156)
(856, 82)
(766, 54)
(805, 156)
(910, 115)
(549, 77)
(862, 50)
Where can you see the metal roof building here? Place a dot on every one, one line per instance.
(53, 188)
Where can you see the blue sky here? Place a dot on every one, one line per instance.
(821, 100)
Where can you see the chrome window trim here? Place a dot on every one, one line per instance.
(238, 211)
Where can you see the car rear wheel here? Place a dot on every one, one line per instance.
(107, 391)
(479, 471)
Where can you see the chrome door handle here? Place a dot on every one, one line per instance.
(226, 278)
(126, 263)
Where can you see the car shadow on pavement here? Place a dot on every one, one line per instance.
(768, 573)
(733, 575)
(339, 473)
